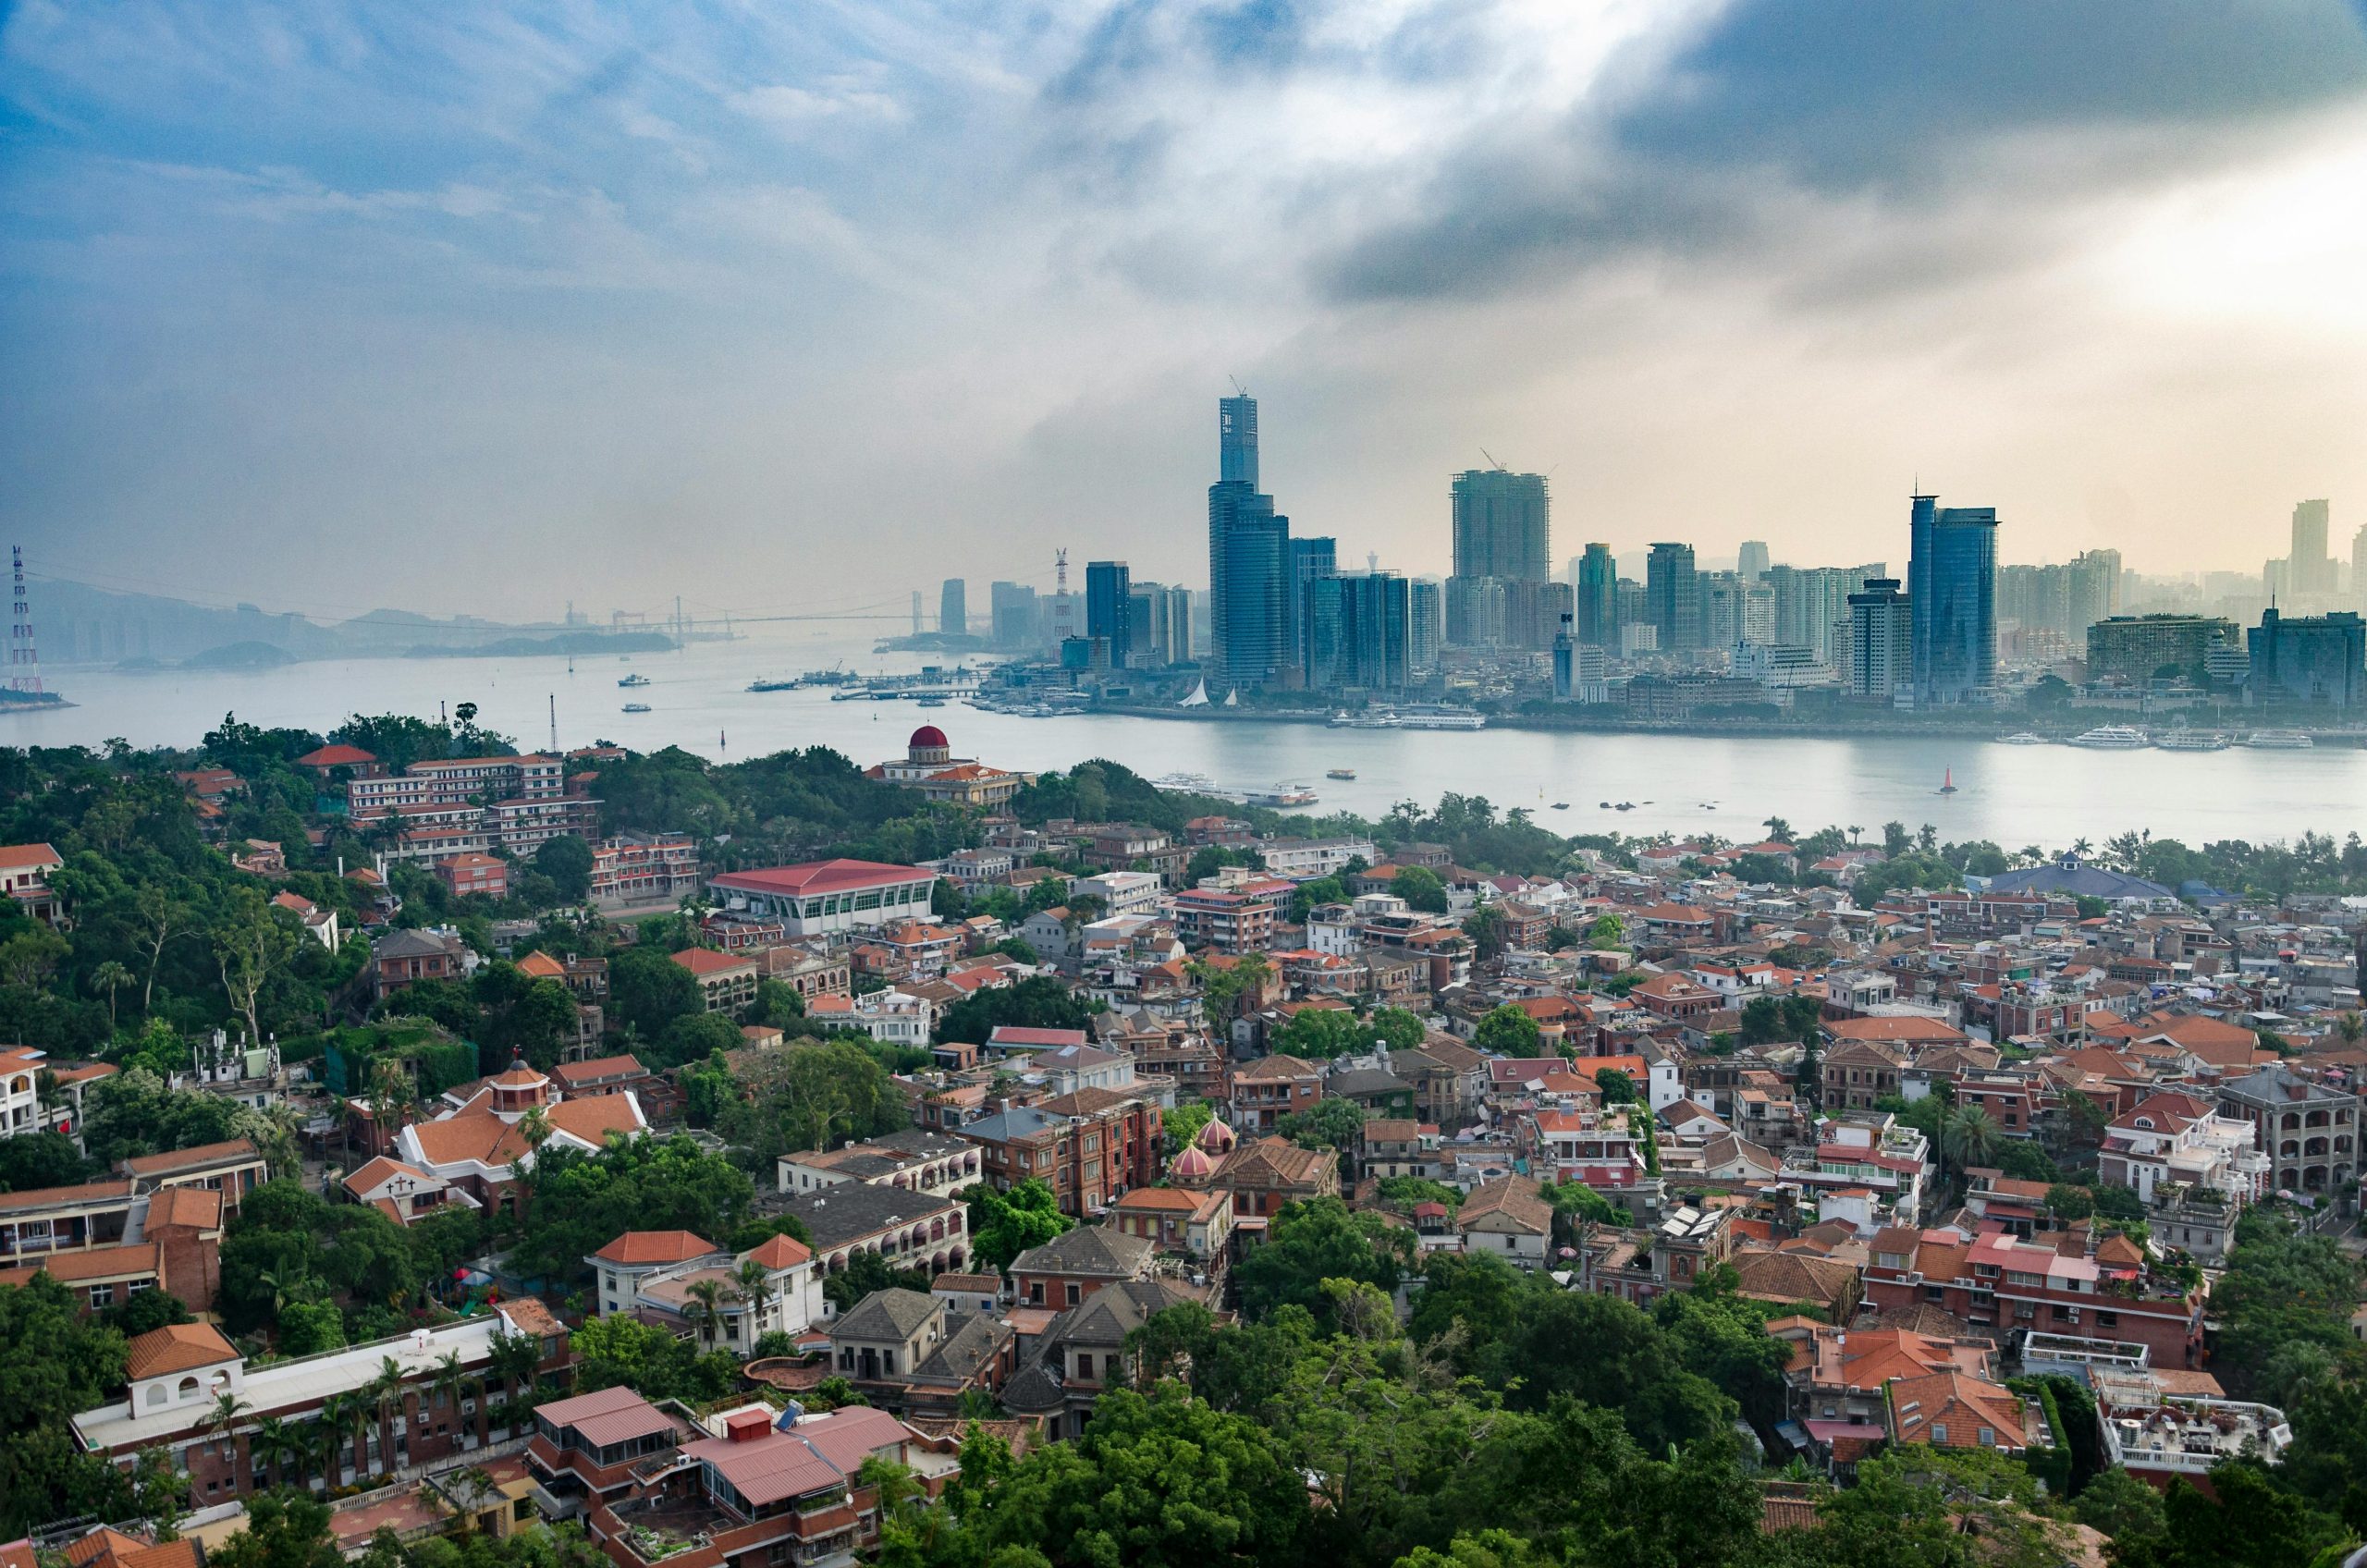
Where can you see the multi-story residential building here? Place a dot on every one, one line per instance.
(1881, 641)
(1843, 1374)
(464, 874)
(24, 877)
(2308, 1130)
(1885, 1157)
(934, 1164)
(1239, 919)
(1854, 1073)
(819, 897)
(1270, 1088)
(458, 781)
(1121, 892)
(2175, 1137)
(1996, 1282)
(177, 1375)
(1089, 1146)
(1177, 1220)
(1264, 1174)
(1075, 1264)
(737, 1487)
(2319, 660)
(644, 868)
(399, 958)
(1084, 1349)
(1508, 1219)
(908, 1230)
(672, 1292)
(2159, 1436)
(727, 981)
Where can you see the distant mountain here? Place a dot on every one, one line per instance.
(82, 625)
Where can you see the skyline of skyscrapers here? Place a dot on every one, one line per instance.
(1249, 559)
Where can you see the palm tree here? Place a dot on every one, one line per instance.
(754, 1285)
(286, 1284)
(340, 1418)
(111, 977)
(534, 1127)
(1854, 834)
(514, 1358)
(1969, 1135)
(1778, 829)
(386, 1393)
(450, 1380)
(2082, 847)
(271, 1445)
(706, 1306)
(2349, 1028)
(223, 1415)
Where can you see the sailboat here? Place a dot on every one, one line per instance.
(1948, 781)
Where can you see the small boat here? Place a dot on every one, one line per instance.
(2112, 738)
(1624, 805)
(1605, 804)
(636, 707)
(634, 680)
(1948, 781)
(1339, 773)
(1560, 805)
(2279, 740)
(2024, 739)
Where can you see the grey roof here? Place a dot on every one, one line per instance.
(1366, 1081)
(1088, 1249)
(1019, 1122)
(2276, 1085)
(978, 1341)
(1107, 1318)
(1033, 1389)
(920, 1142)
(853, 1210)
(408, 944)
(887, 1315)
(2075, 880)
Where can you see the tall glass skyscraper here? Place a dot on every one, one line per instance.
(953, 608)
(1109, 609)
(1501, 525)
(1952, 597)
(1249, 559)
(1358, 632)
(1598, 597)
(1673, 596)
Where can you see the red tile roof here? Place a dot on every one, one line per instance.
(822, 877)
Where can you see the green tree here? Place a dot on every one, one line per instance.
(1508, 1032)
(1003, 1225)
(567, 861)
(1038, 1002)
(1310, 1242)
(648, 990)
(1421, 889)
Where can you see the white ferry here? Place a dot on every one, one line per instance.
(2024, 739)
(2191, 740)
(1279, 795)
(2279, 740)
(2112, 737)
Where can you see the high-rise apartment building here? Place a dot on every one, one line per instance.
(953, 608)
(2317, 660)
(2309, 569)
(1311, 557)
(1358, 632)
(1752, 563)
(1673, 596)
(2136, 648)
(1011, 608)
(1595, 583)
(1501, 525)
(1159, 628)
(1427, 623)
(1249, 559)
(1811, 606)
(1951, 595)
(1109, 608)
(1882, 639)
(2090, 590)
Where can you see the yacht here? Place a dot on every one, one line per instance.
(2279, 740)
(2024, 739)
(1340, 772)
(636, 707)
(634, 680)
(1279, 795)
(2191, 740)
(1192, 783)
(2112, 738)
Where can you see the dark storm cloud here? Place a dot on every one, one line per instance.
(1894, 101)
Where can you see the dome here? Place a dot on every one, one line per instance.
(927, 735)
(1216, 1136)
(1192, 1162)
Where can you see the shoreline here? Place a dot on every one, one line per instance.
(2327, 740)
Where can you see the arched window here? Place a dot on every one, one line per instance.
(157, 1393)
(188, 1389)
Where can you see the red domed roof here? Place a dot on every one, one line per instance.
(927, 735)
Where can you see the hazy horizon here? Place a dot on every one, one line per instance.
(483, 313)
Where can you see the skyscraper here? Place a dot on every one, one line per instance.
(1358, 632)
(1501, 526)
(1673, 596)
(1951, 595)
(1109, 608)
(1249, 559)
(2091, 590)
(1310, 559)
(953, 608)
(1752, 564)
(2319, 660)
(2312, 570)
(1237, 439)
(1011, 607)
(1597, 586)
(1425, 623)
(1882, 639)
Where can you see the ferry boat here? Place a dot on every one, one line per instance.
(2023, 739)
(2112, 737)
(634, 680)
(1279, 796)
(2279, 740)
(1190, 783)
(772, 685)
(636, 707)
(1339, 773)
(2191, 740)
(1413, 715)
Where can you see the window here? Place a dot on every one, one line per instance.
(1084, 1364)
(1075, 1294)
(1988, 1436)
(1939, 1432)
(102, 1295)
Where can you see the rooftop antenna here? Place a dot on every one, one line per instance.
(1491, 460)
(553, 724)
(24, 657)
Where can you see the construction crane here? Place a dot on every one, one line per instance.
(1492, 460)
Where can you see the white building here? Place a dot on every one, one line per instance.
(1121, 892)
(819, 897)
(1303, 859)
(2173, 1136)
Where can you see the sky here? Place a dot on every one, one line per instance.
(797, 306)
